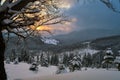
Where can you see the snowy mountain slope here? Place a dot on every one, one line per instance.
(90, 51)
(106, 42)
(57, 44)
(50, 41)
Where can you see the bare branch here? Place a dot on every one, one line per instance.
(11, 31)
(26, 13)
(19, 4)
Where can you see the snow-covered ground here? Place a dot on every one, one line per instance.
(22, 72)
(83, 75)
(91, 51)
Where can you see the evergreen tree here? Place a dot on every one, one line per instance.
(13, 55)
(75, 64)
(48, 58)
(24, 56)
(117, 61)
(52, 60)
(56, 59)
(44, 61)
(71, 56)
(61, 69)
(87, 60)
(108, 58)
(97, 59)
(65, 59)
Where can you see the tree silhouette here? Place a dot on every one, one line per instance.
(24, 18)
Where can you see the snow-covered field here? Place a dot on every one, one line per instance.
(22, 72)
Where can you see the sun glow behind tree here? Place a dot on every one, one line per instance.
(64, 27)
(44, 16)
(18, 16)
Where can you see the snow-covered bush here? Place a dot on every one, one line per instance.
(16, 61)
(34, 67)
(61, 69)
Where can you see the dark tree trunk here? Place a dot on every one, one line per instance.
(3, 75)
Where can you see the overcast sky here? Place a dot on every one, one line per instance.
(90, 14)
(95, 15)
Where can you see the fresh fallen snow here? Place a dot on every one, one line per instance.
(88, 50)
(91, 74)
(22, 72)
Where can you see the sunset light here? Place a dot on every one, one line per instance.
(66, 4)
(43, 28)
(59, 39)
(55, 29)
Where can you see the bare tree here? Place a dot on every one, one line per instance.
(23, 17)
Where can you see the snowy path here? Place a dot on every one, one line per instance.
(21, 71)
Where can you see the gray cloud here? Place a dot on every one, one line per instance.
(94, 15)
(94, 20)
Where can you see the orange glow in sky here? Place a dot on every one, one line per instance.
(57, 29)
(54, 29)
(43, 28)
